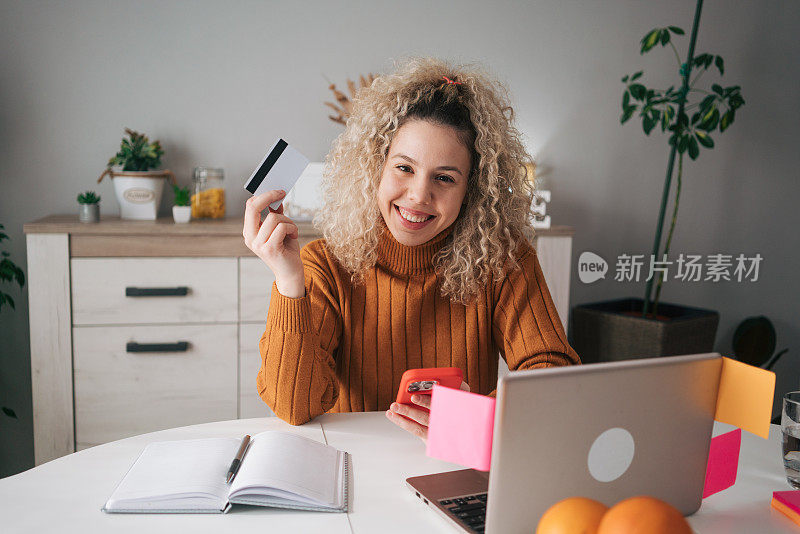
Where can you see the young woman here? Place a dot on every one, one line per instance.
(423, 262)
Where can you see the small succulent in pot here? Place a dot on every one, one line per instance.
(182, 195)
(89, 197)
(182, 210)
(89, 207)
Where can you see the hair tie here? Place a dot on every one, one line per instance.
(449, 81)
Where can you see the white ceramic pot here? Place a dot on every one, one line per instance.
(139, 192)
(181, 214)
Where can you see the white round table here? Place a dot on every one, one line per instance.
(66, 494)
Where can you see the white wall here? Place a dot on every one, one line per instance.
(218, 82)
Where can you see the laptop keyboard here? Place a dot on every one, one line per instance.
(470, 510)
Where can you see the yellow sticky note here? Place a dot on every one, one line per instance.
(744, 398)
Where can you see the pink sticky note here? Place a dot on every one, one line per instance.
(460, 427)
(790, 498)
(723, 461)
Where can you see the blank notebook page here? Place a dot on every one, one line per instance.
(291, 463)
(179, 467)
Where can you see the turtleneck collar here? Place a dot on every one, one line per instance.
(406, 260)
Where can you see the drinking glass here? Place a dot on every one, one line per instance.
(790, 427)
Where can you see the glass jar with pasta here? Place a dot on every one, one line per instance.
(208, 193)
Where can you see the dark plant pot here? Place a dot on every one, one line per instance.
(89, 213)
(603, 332)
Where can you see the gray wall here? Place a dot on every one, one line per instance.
(216, 84)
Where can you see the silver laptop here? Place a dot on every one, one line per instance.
(606, 431)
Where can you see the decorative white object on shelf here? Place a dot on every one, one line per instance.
(539, 208)
(138, 192)
(181, 214)
(305, 199)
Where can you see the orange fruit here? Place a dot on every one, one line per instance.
(575, 515)
(643, 515)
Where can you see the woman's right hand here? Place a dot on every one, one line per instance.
(274, 239)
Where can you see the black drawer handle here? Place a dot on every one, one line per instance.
(180, 346)
(156, 291)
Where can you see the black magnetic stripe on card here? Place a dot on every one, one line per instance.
(267, 166)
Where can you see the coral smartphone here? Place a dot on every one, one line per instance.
(421, 381)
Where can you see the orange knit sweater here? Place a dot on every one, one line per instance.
(343, 347)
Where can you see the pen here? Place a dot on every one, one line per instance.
(237, 461)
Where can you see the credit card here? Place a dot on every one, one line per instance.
(279, 169)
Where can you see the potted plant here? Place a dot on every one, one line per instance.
(89, 207)
(137, 186)
(640, 328)
(182, 209)
(9, 274)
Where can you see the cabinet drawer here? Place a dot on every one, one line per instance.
(120, 393)
(250, 403)
(153, 290)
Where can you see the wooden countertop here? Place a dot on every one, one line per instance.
(165, 226)
(69, 224)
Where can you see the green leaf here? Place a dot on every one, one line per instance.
(695, 118)
(637, 75)
(711, 123)
(709, 114)
(625, 79)
(705, 139)
(717, 88)
(638, 91)
(626, 100)
(627, 114)
(735, 101)
(699, 60)
(727, 120)
(683, 142)
(648, 124)
(694, 150)
(650, 40)
(664, 37)
(720, 65)
(9, 412)
(675, 30)
(707, 101)
(670, 111)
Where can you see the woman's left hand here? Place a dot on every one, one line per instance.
(416, 419)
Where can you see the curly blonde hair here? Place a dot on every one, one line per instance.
(496, 214)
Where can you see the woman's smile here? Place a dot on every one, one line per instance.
(412, 219)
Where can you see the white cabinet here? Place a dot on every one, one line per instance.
(138, 326)
(250, 404)
(255, 289)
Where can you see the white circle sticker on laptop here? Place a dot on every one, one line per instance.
(611, 454)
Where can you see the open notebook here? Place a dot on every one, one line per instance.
(280, 469)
